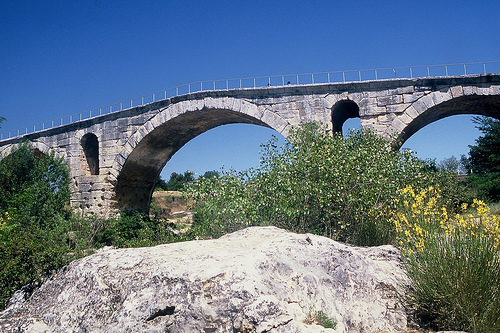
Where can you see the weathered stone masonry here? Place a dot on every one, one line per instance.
(115, 158)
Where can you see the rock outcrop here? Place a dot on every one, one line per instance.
(261, 279)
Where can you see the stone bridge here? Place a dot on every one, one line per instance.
(115, 158)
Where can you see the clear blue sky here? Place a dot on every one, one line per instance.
(64, 57)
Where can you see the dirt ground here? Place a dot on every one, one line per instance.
(171, 206)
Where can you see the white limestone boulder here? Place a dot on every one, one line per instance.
(261, 279)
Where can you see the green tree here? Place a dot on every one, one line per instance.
(484, 159)
(34, 235)
(177, 181)
(451, 164)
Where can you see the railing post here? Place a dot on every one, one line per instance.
(446, 69)
(428, 72)
(376, 76)
(297, 78)
(465, 69)
(201, 85)
(484, 68)
(359, 73)
(328, 75)
(411, 73)
(312, 78)
(343, 76)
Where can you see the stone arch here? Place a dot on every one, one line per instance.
(153, 144)
(89, 154)
(426, 112)
(341, 111)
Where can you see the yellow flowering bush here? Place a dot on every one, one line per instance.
(452, 260)
(421, 213)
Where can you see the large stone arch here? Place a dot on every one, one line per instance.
(153, 144)
(438, 105)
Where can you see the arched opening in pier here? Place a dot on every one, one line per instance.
(345, 111)
(90, 154)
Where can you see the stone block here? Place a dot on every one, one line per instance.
(410, 98)
(405, 90)
(397, 108)
(405, 118)
(398, 125)
(367, 101)
(469, 90)
(412, 112)
(439, 97)
(371, 110)
(420, 106)
(456, 91)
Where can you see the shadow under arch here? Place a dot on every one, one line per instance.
(135, 183)
(341, 111)
(481, 105)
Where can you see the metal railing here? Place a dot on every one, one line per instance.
(445, 70)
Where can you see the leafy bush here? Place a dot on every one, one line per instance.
(34, 238)
(453, 262)
(328, 185)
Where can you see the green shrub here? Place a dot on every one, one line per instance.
(318, 183)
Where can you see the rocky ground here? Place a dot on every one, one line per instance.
(261, 279)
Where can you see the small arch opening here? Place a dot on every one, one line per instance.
(341, 111)
(90, 152)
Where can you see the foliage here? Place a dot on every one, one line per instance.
(34, 238)
(453, 261)
(320, 318)
(484, 159)
(328, 185)
(177, 181)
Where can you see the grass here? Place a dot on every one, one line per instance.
(320, 318)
